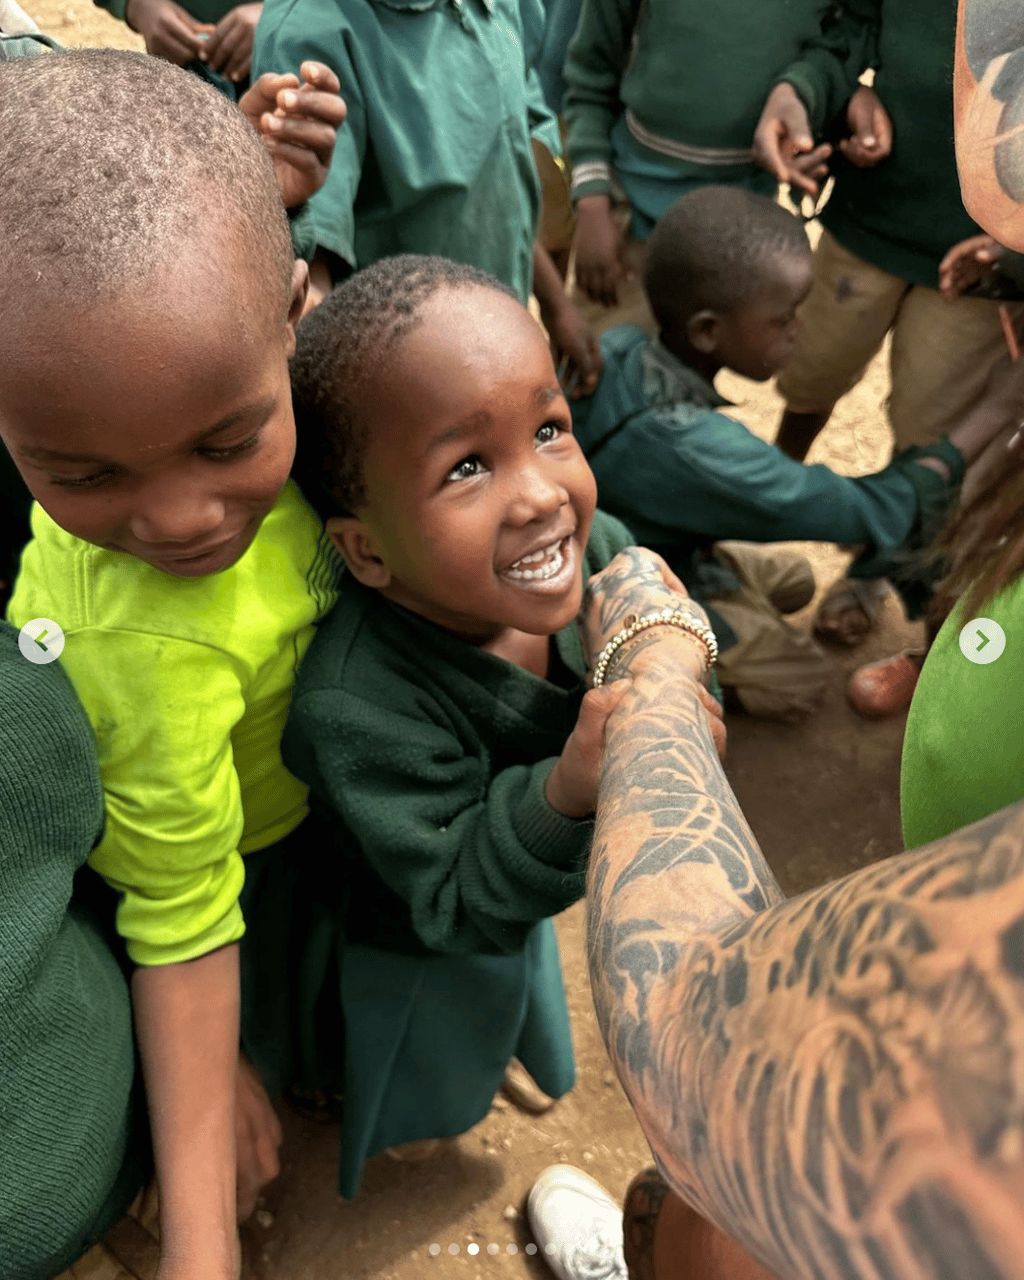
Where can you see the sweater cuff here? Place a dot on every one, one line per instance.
(945, 450)
(591, 178)
(545, 833)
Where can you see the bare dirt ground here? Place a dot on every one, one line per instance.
(822, 800)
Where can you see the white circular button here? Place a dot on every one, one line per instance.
(41, 640)
(982, 641)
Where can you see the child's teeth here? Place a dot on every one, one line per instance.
(553, 554)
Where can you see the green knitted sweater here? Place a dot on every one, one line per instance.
(70, 1155)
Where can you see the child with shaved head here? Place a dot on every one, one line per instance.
(150, 293)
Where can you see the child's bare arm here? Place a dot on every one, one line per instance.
(187, 1022)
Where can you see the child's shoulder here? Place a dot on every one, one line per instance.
(289, 568)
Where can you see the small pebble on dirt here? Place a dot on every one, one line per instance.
(608, 1078)
(510, 1213)
(264, 1219)
(588, 1157)
(507, 1143)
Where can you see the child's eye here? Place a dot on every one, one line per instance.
(80, 482)
(466, 469)
(219, 455)
(548, 432)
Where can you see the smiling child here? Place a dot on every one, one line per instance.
(149, 294)
(437, 716)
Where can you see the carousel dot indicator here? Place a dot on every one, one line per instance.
(434, 1250)
(511, 1248)
(473, 1248)
(453, 1248)
(492, 1249)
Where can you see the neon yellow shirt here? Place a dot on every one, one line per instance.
(186, 682)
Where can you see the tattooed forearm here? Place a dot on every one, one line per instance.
(838, 1080)
(989, 115)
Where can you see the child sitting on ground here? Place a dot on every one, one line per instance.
(143, 239)
(440, 716)
(725, 272)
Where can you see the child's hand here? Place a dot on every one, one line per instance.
(257, 1137)
(577, 350)
(229, 49)
(784, 144)
(967, 263)
(571, 788)
(298, 125)
(870, 129)
(598, 248)
(168, 30)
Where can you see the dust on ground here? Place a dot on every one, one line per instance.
(822, 799)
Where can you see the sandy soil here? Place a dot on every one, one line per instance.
(822, 799)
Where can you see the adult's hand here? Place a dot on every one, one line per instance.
(870, 139)
(298, 123)
(784, 143)
(229, 48)
(169, 31)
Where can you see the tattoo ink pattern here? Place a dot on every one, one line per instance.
(837, 1080)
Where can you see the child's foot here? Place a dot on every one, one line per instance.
(887, 687)
(848, 611)
(521, 1088)
(577, 1225)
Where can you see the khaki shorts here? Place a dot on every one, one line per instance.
(941, 354)
(774, 669)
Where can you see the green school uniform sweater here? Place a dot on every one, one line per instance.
(689, 78)
(70, 1140)
(431, 755)
(683, 475)
(905, 213)
(435, 155)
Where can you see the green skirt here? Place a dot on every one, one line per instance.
(428, 1039)
(416, 1045)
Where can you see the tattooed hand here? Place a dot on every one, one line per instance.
(637, 581)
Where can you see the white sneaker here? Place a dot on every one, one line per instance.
(577, 1225)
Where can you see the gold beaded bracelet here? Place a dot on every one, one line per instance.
(665, 618)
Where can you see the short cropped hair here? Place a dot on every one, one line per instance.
(709, 250)
(109, 160)
(342, 346)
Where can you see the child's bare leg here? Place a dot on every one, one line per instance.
(797, 431)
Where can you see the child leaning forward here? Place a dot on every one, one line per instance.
(143, 239)
(439, 716)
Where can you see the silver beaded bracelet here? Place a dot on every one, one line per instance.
(664, 618)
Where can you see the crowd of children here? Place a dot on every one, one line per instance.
(315, 502)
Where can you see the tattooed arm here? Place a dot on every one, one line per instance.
(837, 1081)
(988, 95)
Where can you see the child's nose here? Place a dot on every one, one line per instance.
(538, 495)
(172, 516)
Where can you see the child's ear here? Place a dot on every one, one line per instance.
(357, 547)
(300, 290)
(703, 331)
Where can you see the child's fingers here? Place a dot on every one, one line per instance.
(312, 104)
(596, 707)
(315, 140)
(320, 76)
